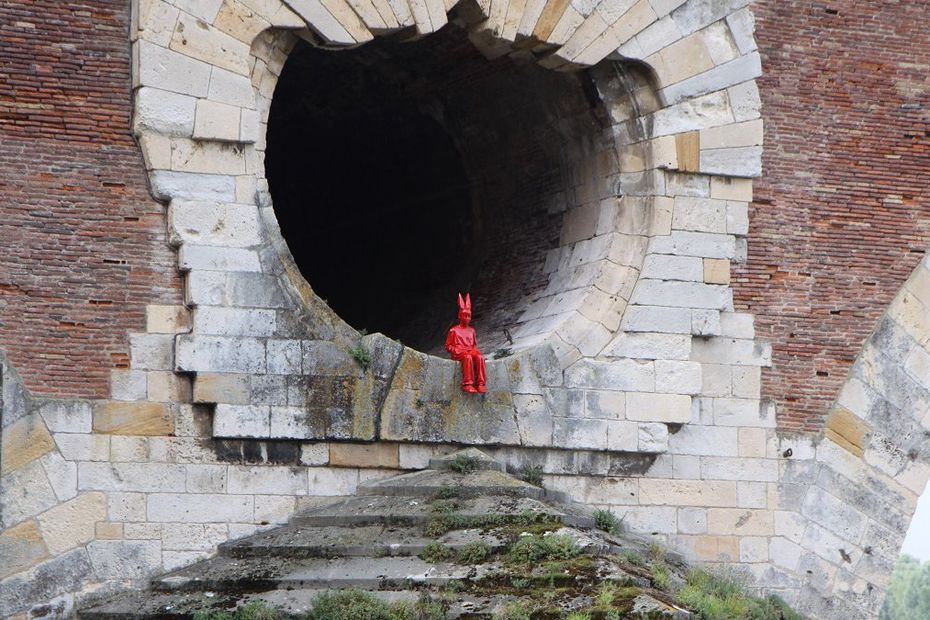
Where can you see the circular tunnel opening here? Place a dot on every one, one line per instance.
(404, 172)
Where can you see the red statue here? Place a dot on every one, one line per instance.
(463, 345)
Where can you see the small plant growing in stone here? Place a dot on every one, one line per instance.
(473, 553)
(361, 355)
(254, 610)
(503, 352)
(533, 474)
(435, 553)
(606, 521)
(660, 576)
(632, 557)
(464, 464)
(579, 615)
(447, 492)
(428, 608)
(516, 610)
(533, 549)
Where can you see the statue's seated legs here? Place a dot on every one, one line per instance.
(472, 365)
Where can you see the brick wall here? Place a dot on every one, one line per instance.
(842, 212)
(84, 244)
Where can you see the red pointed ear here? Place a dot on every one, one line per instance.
(461, 301)
(468, 300)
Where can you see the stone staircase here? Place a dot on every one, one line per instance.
(374, 541)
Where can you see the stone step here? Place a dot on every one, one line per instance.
(225, 574)
(418, 511)
(469, 458)
(362, 541)
(430, 482)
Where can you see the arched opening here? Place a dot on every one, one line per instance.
(403, 172)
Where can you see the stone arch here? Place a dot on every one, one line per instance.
(202, 128)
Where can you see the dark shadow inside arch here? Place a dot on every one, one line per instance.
(402, 173)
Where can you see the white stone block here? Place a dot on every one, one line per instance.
(193, 536)
(742, 26)
(203, 478)
(692, 520)
(209, 157)
(711, 110)
(284, 357)
(678, 377)
(586, 433)
(290, 423)
(153, 20)
(653, 437)
(124, 559)
(657, 319)
(231, 88)
(743, 161)
(266, 479)
(649, 520)
(128, 448)
(751, 494)
(650, 346)
(704, 440)
(172, 185)
(221, 321)
(737, 325)
(627, 437)
(318, 454)
(660, 34)
(205, 288)
(717, 380)
(648, 407)
(81, 447)
(731, 351)
(66, 416)
(152, 351)
(274, 508)
(836, 516)
(747, 381)
(727, 468)
(601, 404)
(128, 385)
(140, 477)
(216, 121)
(204, 9)
(164, 112)
(784, 553)
(241, 421)
(740, 412)
(668, 267)
(614, 375)
(700, 215)
(705, 322)
(745, 101)
(212, 224)
(62, 475)
(742, 69)
(125, 507)
(167, 70)
(202, 41)
(213, 258)
(199, 508)
(331, 481)
(686, 243)
(753, 549)
(686, 467)
(682, 295)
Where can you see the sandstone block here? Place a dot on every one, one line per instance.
(199, 508)
(198, 40)
(23, 442)
(168, 387)
(701, 493)
(848, 430)
(73, 523)
(379, 455)
(742, 69)
(21, 547)
(647, 407)
(211, 387)
(128, 385)
(107, 530)
(133, 418)
(716, 271)
(728, 188)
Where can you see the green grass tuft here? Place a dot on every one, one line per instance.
(435, 553)
(532, 549)
(606, 521)
(473, 553)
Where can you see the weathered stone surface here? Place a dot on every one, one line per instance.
(847, 430)
(21, 547)
(199, 508)
(133, 418)
(23, 442)
(65, 416)
(144, 477)
(73, 523)
(56, 576)
(124, 559)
